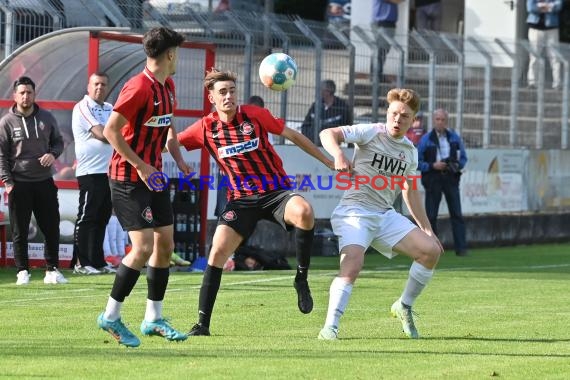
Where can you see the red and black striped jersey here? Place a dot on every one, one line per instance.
(242, 149)
(148, 107)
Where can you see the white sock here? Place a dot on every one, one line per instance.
(417, 280)
(153, 311)
(339, 295)
(113, 310)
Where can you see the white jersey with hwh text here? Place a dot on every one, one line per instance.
(380, 165)
(92, 155)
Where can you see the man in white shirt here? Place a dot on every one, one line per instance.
(384, 163)
(92, 152)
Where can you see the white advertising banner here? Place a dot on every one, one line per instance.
(493, 182)
(36, 251)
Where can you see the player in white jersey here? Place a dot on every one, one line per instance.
(384, 163)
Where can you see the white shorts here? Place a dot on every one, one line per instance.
(379, 230)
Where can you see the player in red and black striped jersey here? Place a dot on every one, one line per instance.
(139, 127)
(258, 187)
(147, 105)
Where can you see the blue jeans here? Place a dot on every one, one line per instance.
(448, 185)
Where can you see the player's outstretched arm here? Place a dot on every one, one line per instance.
(331, 138)
(304, 143)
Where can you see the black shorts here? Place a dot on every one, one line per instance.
(243, 214)
(138, 208)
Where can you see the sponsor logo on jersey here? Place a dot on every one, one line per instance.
(242, 147)
(159, 121)
(388, 165)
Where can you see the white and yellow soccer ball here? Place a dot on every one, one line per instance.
(278, 71)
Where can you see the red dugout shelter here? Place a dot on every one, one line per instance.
(60, 64)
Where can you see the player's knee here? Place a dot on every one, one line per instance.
(218, 257)
(145, 249)
(304, 212)
(168, 247)
(432, 253)
(350, 275)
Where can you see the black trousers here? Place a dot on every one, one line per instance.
(40, 198)
(383, 51)
(448, 185)
(93, 215)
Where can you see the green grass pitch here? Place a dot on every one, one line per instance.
(500, 313)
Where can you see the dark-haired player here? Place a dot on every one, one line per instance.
(139, 127)
(237, 138)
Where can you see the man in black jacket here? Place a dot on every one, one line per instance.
(441, 157)
(334, 113)
(30, 142)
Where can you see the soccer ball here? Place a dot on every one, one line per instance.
(278, 71)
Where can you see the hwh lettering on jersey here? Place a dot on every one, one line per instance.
(389, 165)
(159, 121)
(243, 147)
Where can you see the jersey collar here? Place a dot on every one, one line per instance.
(149, 74)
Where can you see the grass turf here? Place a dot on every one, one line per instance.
(499, 313)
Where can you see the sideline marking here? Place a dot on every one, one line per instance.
(24, 301)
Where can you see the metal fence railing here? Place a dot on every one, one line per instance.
(480, 82)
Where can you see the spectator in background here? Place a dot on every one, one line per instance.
(223, 5)
(385, 15)
(543, 28)
(338, 13)
(30, 142)
(334, 112)
(93, 153)
(254, 258)
(417, 130)
(256, 100)
(441, 157)
(428, 15)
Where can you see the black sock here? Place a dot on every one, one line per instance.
(303, 248)
(208, 292)
(157, 281)
(125, 280)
